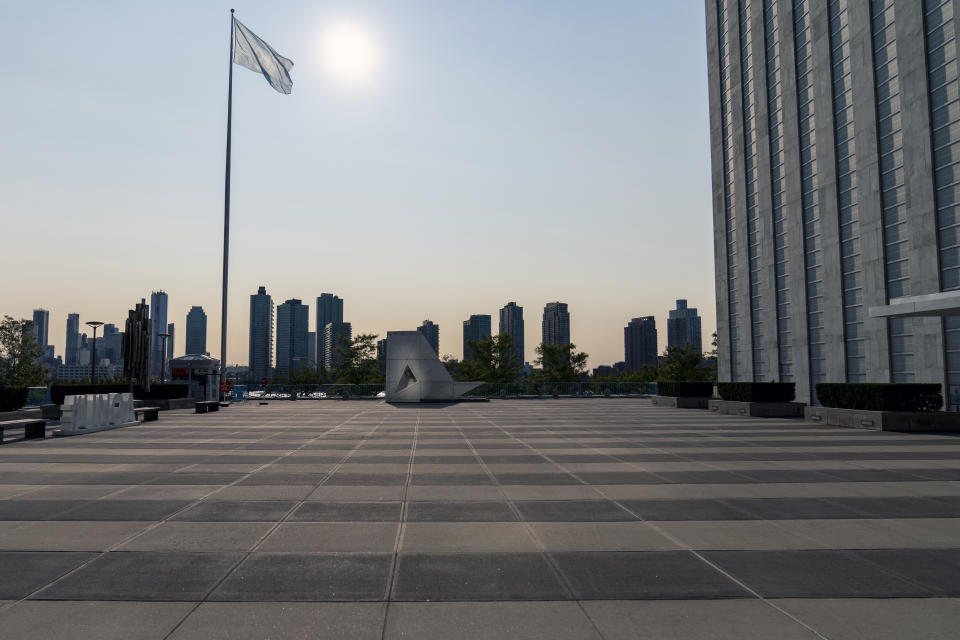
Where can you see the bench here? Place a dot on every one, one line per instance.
(207, 406)
(33, 428)
(147, 414)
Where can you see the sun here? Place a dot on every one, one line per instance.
(349, 52)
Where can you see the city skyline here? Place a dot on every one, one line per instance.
(580, 145)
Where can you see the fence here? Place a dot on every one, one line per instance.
(485, 390)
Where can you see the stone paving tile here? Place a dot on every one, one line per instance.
(675, 575)
(199, 537)
(262, 511)
(91, 620)
(286, 620)
(294, 577)
(65, 536)
(466, 537)
(488, 621)
(884, 619)
(460, 512)
(713, 619)
(600, 536)
(327, 537)
(573, 511)
(347, 512)
(477, 576)
(143, 576)
(26, 571)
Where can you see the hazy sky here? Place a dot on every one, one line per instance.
(502, 150)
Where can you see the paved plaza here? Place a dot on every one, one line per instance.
(599, 518)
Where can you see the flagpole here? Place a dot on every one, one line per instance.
(226, 215)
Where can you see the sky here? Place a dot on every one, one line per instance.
(495, 151)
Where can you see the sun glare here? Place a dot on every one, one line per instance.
(349, 52)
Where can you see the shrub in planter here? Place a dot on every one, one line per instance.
(685, 389)
(12, 398)
(757, 391)
(875, 396)
(157, 391)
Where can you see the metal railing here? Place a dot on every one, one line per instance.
(562, 389)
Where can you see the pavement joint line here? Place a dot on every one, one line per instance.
(277, 524)
(402, 528)
(157, 523)
(685, 546)
(530, 530)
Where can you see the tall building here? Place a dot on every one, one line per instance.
(556, 324)
(158, 325)
(334, 332)
(475, 329)
(683, 327)
(640, 343)
(261, 335)
(41, 327)
(71, 355)
(835, 133)
(292, 325)
(329, 309)
(431, 332)
(312, 350)
(196, 338)
(171, 331)
(511, 324)
(110, 345)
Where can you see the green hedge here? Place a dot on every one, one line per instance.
(12, 398)
(757, 391)
(870, 396)
(157, 391)
(685, 389)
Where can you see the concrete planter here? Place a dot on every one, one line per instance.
(681, 403)
(884, 420)
(758, 409)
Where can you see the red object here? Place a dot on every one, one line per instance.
(263, 383)
(178, 373)
(224, 387)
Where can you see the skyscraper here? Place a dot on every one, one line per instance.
(382, 355)
(431, 332)
(158, 325)
(640, 343)
(171, 331)
(334, 332)
(312, 350)
(261, 335)
(196, 338)
(41, 327)
(511, 324)
(329, 309)
(292, 325)
(834, 139)
(556, 324)
(71, 355)
(474, 330)
(683, 327)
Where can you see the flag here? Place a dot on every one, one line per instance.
(253, 53)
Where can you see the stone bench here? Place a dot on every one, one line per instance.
(206, 406)
(33, 428)
(147, 414)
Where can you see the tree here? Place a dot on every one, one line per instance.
(358, 360)
(646, 373)
(683, 364)
(20, 354)
(561, 363)
(492, 359)
(452, 365)
(305, 375)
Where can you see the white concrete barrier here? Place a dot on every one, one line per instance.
(96, 412)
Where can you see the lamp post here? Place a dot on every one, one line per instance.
(93, 357)
(163, 357)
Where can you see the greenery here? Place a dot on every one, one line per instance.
(12, 398)
(452, 365)
(491, 360)
(757, 391)
(20, 355)
(685, 389)
(358, 360)
(682, 363)
(560, 363)
(871, 396)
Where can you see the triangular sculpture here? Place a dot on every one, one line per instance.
(415, 373)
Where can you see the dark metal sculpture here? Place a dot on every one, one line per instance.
(136, 345)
